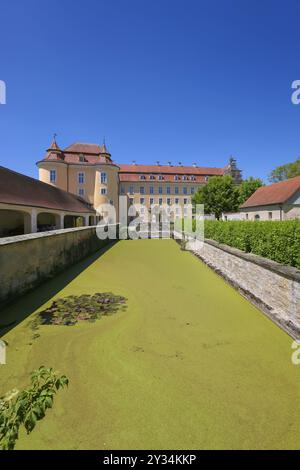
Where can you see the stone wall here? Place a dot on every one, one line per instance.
(28, 260)
(272, 287)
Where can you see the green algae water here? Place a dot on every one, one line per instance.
(190, 364)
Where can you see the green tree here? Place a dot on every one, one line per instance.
(218, 195)
(248, 187)
(284, 172)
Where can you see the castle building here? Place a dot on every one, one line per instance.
(88, 171)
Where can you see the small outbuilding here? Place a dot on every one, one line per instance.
(278, 201)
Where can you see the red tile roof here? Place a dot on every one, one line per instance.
(276, 193)
(92, 153)
(133, 172)
(90, 149)
(166, 178)
(173, 170)
(19, 189)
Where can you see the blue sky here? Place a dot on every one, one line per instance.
(167, 80)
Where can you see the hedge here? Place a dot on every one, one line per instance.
(276, 240)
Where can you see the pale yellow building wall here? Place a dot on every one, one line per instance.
(291, 212)
(263, 212)
(137, 195)
(61, 173)
(89, 181)
(67, 178)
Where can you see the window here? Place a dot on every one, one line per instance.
(131, 190)
(81, 158)
(176, 200)
(176, 190)
(185, 201)
(81, 178)
(185, 190)
(184, 178)
(247, 216)
(151, 200)
(160, 201)
(142, 190)
(193, 178)
(131, 201)
(168, 190)
(103, 178)
(103, 191)
(206, 178)
(169, 201)
(192, 190)
(111, 202)
(122, 190)
(160, 190)
(270, 215)
(151, 189)
(142, 177)
(80, 192)
(152, 177)
(257, 217)
(176, 178)
(160, 177)
(52, 176)
(142, 200)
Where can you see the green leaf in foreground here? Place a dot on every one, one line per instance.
(28, 406)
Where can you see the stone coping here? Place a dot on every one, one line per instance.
(283, 270)
(50, 233)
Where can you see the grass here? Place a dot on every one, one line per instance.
(189, 364)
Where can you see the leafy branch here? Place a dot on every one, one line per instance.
(28, 406)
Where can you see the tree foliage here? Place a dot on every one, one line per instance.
(218, 195)
(28, 406)
(248, 187)
(284, 172)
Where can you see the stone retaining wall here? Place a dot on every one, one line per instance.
(272, 287)
(27, 260)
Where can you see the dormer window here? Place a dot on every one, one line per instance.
(82, 158)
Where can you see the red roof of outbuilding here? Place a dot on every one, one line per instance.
(19, 189)
(276, 193)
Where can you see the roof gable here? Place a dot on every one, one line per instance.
(276, 193)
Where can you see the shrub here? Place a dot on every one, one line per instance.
(276, 240)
